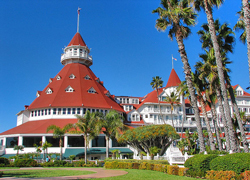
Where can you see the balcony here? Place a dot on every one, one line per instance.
(82, 57)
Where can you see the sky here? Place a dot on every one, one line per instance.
(126, 47)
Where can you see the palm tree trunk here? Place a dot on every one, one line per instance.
(172, 117)
(60, 142)
(159, 105)
(218, 93)
(220, 73)
(214, 116)
(246, 12)
(188, 77)
(85, 148)
(210, 134)
(107, 146)
(235, 106)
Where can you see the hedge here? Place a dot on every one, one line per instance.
(221, 175)
(237, 162)
(25, 163)
(199, 164)
(4, 161)
(173, 170)
(138, 161)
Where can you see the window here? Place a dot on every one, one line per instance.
(73, 110)
(146, 116)
(38, 113)
(32, 113)
(92, 90)
(69, 89)
(166, 117)
(247, 101)
(45, 112)
(64, 111)
(30, 141)
(35, 113)
(87, 77)
(69, 110)
(75, 52)
(42, 112)
(99, 141)
(116, 144)
(59, 111)
(151, 116)
(48, 91)
(71, 76)
(75, 141)
(58, 77)
(54, 110)
(84, 110)
(48, 111)
(239, 93)
(78, 110)
(54, 141)
(11, 142)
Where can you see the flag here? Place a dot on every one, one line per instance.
(78, 10)
(174, 58)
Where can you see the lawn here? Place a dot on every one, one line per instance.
(44, 173)
(146, 175)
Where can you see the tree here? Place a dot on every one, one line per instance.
(59, 132)
(208, 5)
(87, 126)
(153, 151)
(45, 147)
(156, 84)
(145, 137)
(177, 15)
(111, 125)
(18, 148)
(173, 99)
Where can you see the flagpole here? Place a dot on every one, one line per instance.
(172, 62)
(78, 17)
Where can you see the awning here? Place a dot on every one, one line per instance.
(80, 151)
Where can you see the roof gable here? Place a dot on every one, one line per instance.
(173, 79)
(77, 40)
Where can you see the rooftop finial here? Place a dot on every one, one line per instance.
(78, 12)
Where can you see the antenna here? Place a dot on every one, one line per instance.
(78, 12)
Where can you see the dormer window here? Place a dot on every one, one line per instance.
(69, 89)
(239, 93)
(48, 91)
(87, 77)
(107, 93)
(72, 76)
(92, 90)
(50, 80)
(38, 93)
(97, 80)
(58, 77)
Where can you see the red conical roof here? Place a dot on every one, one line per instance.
(77, 40)
(173, 79)
(80, 97)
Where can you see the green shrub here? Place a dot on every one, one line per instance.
(199, 164)
(4, 161)
(138, 161)
(59, 163)
(1, 173)
(47, 164)
(237, 162)
(25, 163)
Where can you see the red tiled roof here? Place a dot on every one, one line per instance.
(80, 95)
(173, 79)
(38, 127)
(77, 40)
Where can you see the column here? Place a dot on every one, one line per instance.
(20, 140)
(65, 141)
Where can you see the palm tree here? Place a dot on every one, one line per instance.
(200, 86)
(156, 84)
(87, 126)
(111, 125)
(45, 147)
(59, 132)
(18, 148)
(178, 16)
(225, 37)
(173, 99)
(208, 5)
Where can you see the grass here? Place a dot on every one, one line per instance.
(44, 173)
(146, 175)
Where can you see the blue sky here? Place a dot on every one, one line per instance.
(127, 50)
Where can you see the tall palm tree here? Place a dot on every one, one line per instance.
(177, 15)
(59, 132)
(45, 147)
(172, 98)
(225, 37)
(208, 5)
(200, 86)
(156, 84)
(111, 125)
(87, 126)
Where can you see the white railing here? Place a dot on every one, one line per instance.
(77, 55)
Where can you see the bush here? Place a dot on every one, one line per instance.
(237, 162)
(25, 163)
(1, 173)
(137, 161)
(173, 170)
(4, 161)
(182, 171)
(246, 175)
(221, 175)
(199, 164)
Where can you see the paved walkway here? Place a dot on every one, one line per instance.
(100, 173)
